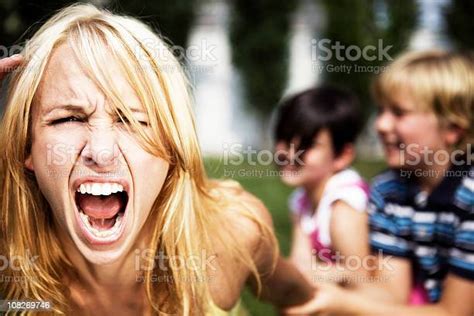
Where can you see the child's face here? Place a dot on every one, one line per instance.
(318, 161)
(410, 137)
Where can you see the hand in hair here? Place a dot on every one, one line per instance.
(9, 64)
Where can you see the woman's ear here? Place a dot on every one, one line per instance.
(29, 163)
(345, 157)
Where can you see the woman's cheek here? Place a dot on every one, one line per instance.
(147, 170)
(61, 147)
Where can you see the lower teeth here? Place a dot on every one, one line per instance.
(99, 233)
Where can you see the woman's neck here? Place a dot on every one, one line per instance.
(121, 276)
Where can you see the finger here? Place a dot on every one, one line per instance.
(9, 64)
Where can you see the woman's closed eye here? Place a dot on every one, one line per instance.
(125, 120)
(66, 120)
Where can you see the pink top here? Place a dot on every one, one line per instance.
(349, 187)
(345, 185)
(418, 295)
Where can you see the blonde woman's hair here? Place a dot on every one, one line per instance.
(438, 81)
(190, 209)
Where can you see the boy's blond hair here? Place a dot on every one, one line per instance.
(439, 81)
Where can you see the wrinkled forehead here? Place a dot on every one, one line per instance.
(67, 82)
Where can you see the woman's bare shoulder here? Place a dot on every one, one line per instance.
(250, 223)
(244, 208)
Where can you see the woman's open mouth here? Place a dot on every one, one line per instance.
(101, 211)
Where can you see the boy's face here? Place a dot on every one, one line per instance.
(411, 138)
(317, 162)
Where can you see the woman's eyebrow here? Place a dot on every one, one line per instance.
(137, 110)
(134, 110)
(81, 109)
(66, 107)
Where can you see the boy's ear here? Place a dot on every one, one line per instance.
(29, 163)
(345, 157)
(453, 134)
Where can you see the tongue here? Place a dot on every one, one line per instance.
(99, 206)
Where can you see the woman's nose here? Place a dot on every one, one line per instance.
(101, 150)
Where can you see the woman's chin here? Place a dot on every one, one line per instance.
(105, 255)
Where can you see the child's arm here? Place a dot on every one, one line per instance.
(390, 282)
(300, 253)
(350, 245)
(384, 278)
(350, 241)
(457, 300)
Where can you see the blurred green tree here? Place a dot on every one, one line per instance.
(459, 23)
(259, 36)
(364, 23)
(172, 18)
(21, 18)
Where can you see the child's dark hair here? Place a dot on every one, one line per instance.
(305, 114)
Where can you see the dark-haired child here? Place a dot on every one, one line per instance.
(315, 134)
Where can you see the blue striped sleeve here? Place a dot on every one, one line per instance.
(389, 223)
(461, 259)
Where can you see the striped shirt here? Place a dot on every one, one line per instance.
(435, 232)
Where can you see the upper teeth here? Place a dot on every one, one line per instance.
(95, 188)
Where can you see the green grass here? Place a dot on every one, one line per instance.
(263, 182)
